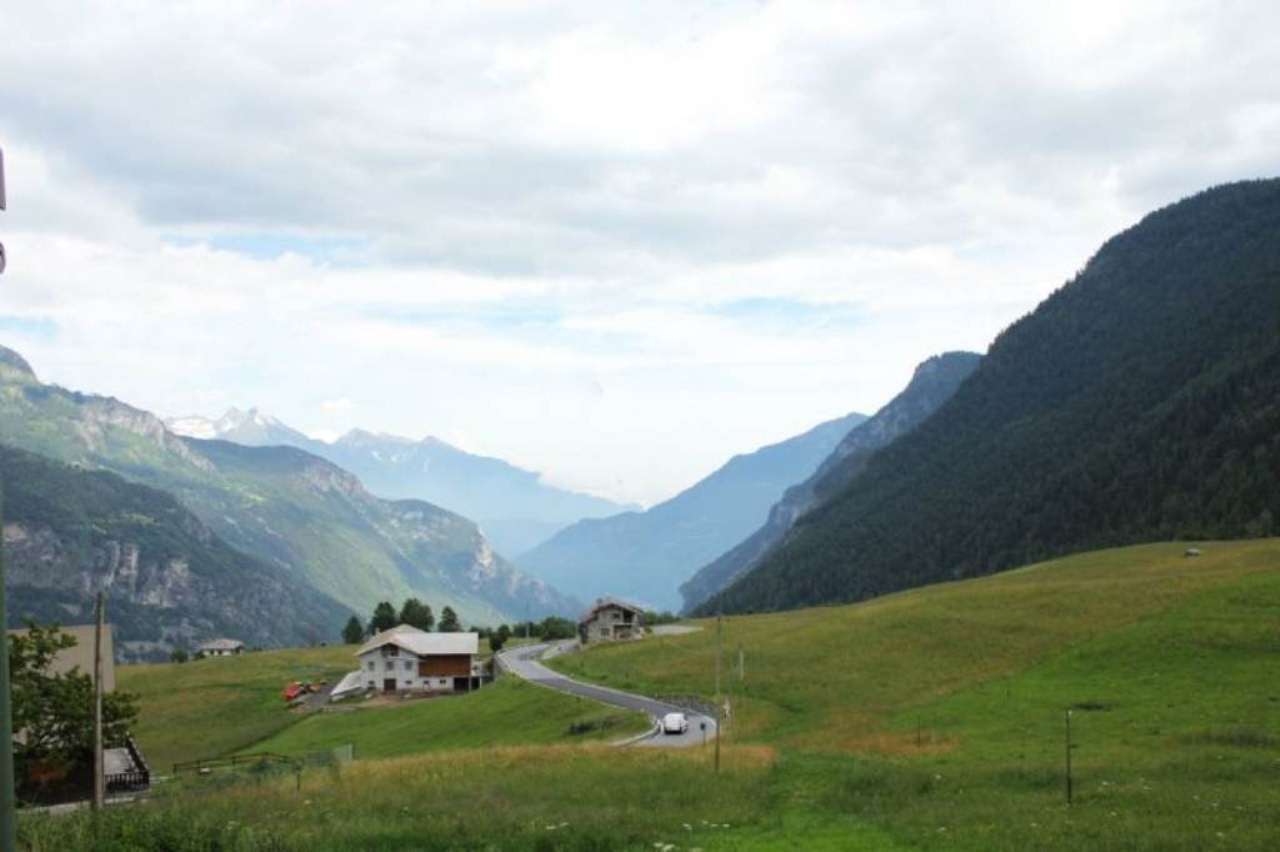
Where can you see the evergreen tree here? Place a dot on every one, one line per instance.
(353, 632)
(417, 614)
(384, 618)
(449, 621)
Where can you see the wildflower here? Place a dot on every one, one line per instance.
(687, 827)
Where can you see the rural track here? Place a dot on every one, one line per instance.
(524, 662)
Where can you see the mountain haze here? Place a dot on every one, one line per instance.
(513, 506)
(647, 555)
(1139, 402)
(932, 384)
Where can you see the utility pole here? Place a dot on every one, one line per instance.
(8, 809)
(719, 652)
(1069, 758)
(99, 769)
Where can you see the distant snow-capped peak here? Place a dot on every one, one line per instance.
(197, 426)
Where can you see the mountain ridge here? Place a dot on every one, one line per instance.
(287, 507)
(514, 507)
(932, 383)
(650, 553)
(1138, 402)
(169, 580)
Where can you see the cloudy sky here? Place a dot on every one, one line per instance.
(616, 243)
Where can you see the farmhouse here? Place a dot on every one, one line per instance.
(406, 659)
(611, 619)
(220, 648)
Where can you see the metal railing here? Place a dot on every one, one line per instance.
(135, 779)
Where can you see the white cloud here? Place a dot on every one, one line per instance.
(614, 242)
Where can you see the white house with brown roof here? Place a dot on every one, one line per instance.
(611, 620)
(406, 659)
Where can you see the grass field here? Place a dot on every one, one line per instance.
(939, 714)
(933, 719)
(215, 707)
(509, 712)
(212, 707)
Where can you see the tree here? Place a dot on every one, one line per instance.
(353, 632)
(498, 638)
(179, 655)
(417, 614)
(449, 621)
(384, 617)
(53, 713)
(554, 627)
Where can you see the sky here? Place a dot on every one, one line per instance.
(613, 242)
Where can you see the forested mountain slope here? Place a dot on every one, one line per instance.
(281, 505)
(932, 384)
(169, 581)
(645, 556)
(1139, 402)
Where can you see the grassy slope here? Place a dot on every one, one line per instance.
(206, 708)
(509, 712)
(932, 719)
(828, 678)
(939, 713)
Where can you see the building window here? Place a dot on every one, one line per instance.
(408, 665)
(371, 664)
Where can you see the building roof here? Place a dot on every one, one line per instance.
(81, 654)
(220, 645)
(603, 603)
(423, 643)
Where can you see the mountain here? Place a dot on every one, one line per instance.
(646, 555)
(513, 506)
(169, 580)
(1139, 402)
(251, 428)
(933, 383)
(281, 505)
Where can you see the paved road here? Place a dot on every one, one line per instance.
(523, 662)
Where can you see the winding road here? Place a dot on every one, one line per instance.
(524, 662)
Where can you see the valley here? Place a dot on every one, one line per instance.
(691, 433)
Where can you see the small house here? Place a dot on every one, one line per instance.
(611, 620)
(220, 648)
(80, 655)
(406, 659)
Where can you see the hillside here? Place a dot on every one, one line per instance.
(646, 555)
(930, 719)
(170, 582)
(932, 384)
(283, 506)
(1138, 402)
(514, 507)
(944, 706)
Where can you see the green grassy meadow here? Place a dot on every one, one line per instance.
(509, 712)
(216, 707)
(932, 719)
(213, 707)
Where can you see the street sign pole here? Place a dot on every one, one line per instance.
(8, 803)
